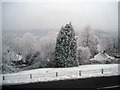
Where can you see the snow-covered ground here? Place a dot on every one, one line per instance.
(53, 74)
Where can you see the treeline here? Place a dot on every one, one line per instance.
(56, 49)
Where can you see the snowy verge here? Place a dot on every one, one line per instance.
(54, 74)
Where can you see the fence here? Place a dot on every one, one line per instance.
(57, 74)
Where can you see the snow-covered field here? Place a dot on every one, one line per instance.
(53, 74)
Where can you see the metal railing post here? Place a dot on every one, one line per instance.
(30, 76)
(56, 74)
(79, 73)
(3, 77)
(102, 71)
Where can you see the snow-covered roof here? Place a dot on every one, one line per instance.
(14, 57)
(102, 57)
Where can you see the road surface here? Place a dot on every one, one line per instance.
(98, 83)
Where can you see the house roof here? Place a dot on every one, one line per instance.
(14, 57)
(102, 57)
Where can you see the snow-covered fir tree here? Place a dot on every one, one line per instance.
(66, 46)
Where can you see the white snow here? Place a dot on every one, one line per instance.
(102, 57)
(49, 74)
(109, 57)
(14, 57)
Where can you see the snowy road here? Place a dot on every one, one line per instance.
(54, 74)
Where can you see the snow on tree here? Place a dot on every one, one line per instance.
(24, 46)
(34, 48)
(83, 55)
(66, 46)
(108, 42)
(88, 38)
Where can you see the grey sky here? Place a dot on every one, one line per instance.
(53, 15)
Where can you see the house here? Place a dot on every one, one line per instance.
(16, 59)
(102, 57)
(19, 62)
(116, 55)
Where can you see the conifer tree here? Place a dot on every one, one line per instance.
(66, 46)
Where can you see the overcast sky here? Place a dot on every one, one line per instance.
(53, 15)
